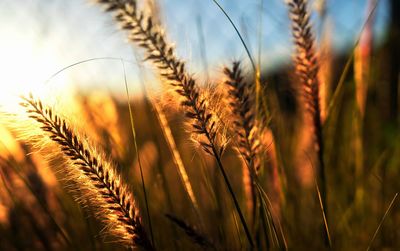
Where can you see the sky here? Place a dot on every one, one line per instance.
(38, 38)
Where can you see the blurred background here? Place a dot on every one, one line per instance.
(39, 38)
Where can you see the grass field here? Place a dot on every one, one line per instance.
(303, 158)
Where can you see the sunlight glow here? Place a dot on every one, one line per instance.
(26, 63)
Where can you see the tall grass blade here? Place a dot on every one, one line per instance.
(138, 154)
(253, 64)
(176, 155)
(382, 221)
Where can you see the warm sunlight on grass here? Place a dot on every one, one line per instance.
(189, 134)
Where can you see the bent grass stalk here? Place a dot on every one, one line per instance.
(97, 176)
(145, 34)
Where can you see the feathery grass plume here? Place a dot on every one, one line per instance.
(145, 33)
(241, 104)
(192, 232)
(142, 31)
(306, 64)
(155, 10)
(307, 71)
(260, 99)
(240, 98)
(95, 174)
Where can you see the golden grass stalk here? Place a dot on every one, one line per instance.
(307, 72)
(96, 176)
(143, 31)
(166, 130)
(242, 106)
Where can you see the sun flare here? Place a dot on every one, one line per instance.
(26, 65)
